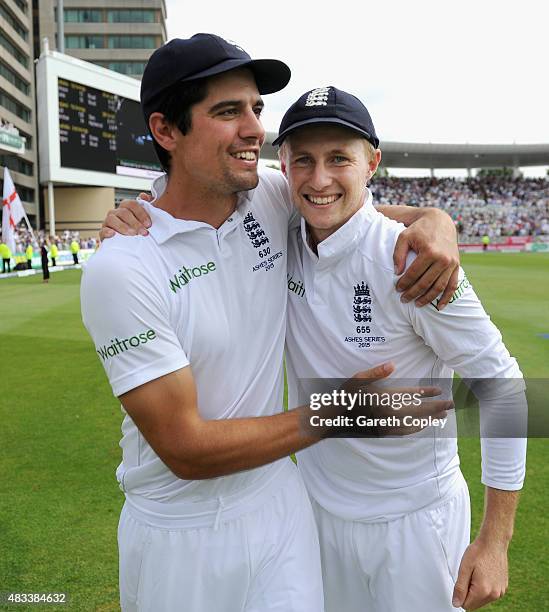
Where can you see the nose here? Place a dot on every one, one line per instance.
(320, 177)
(251, 127)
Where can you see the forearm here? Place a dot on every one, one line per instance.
(499, 517)
(226, 446)
(410, 214)
(166, 412)
(483, 572)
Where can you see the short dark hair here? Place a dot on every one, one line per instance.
(176, 106)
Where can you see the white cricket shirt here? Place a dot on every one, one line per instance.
(189, 294)
(345, 316)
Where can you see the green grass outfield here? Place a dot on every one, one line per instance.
(59, 434)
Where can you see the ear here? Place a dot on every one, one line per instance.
(163, 132)
(282, 158)
(283, 168)
(373, 165)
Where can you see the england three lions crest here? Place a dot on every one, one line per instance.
(362, 304)
(254, 231)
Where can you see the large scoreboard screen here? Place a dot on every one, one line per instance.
(103, 132)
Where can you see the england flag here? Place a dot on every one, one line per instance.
(12, 211)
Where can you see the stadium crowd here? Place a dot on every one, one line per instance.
(23, 238)
(492, 205)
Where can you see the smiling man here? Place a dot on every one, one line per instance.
(393, 514)
(189, 323)
(216, 516)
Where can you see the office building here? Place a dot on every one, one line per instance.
(18, 144)
(116, 34)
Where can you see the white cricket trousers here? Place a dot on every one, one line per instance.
(406, 565)
(259, 553)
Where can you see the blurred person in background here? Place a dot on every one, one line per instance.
(54, 253)
(29, 252)
(75, 247)
(5, 253)
(44, 262)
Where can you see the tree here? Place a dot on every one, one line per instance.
(497, 172)
(382, 172)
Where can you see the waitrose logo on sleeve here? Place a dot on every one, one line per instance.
(121, 346)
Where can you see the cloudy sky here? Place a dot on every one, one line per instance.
(428, 71)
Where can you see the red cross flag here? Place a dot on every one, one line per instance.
(12, 211)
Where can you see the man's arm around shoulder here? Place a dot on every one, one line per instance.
(432, 235)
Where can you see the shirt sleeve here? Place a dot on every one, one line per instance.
(504, 459)
(128, 318)
(464, 338)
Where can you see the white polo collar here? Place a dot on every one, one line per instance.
(346, 237)
(165, 226)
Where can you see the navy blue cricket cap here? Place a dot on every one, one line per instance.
(328, 105)
(203, 55)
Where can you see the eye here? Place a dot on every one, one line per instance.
(340, 159)
(258, 110)
(302, 161)
(229, 112)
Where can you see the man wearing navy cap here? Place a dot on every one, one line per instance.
(189, 324)
(393, 514)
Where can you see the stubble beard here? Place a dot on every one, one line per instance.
(240, 182)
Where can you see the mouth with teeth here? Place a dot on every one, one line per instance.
(245, 155)
(322, 200)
